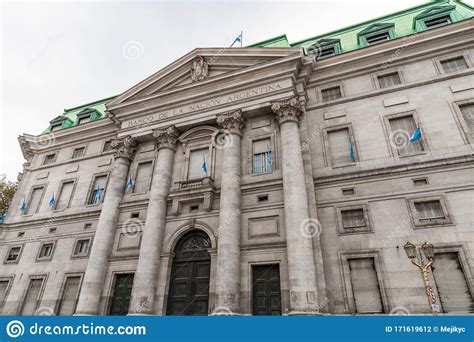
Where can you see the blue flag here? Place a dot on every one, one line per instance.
(238, 40)
(129, 184)
(269, 158)
(23, 205)
(351, 151)
(97, 193)
(2, 218)
(204, 165)
(416, 135)
(52, 200)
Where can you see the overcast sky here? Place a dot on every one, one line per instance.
(60, 55)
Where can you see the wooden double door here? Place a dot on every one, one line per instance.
(266, 294)
(190, 272)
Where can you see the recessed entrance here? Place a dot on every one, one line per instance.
(266, 290)
(190, 272)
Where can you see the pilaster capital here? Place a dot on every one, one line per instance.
(166, 137)
(124, 147)
(288, 110)
(234, 122)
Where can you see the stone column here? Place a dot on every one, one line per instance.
(94, 277)
(145, 281)
(228, 240)
(301, 267)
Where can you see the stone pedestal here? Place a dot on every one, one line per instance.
(146, 276)
(94, 277)
(228, 240)
(301, 267)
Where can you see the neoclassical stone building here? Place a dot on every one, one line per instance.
(275, 179)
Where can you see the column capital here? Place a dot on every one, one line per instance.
(124, 147)
(234, 122)
(166, 137)
(288, 110)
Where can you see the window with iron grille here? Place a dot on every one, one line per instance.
(262, 156)
(46, 251)
(331, 94)
(467, 111)
(143, 178)
(377, 38)
(98, 190)
(13, 254)
(437, 22)
(78, 152)
(389, 80)
(82, 247)
(454, 64)
(84, 119)
(429, 210)
(353, 218)
(49, 159)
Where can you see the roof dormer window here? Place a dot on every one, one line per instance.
(376, 34)
(325, 48)
(437, 22)
(84, 119)
(435, 16)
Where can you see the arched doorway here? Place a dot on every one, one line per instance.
(190, 272)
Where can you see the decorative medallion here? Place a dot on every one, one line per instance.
(199, 70)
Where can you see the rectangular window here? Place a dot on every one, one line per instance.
(353, 218)
(32, 297)
(107, 146)
(35, 200)
(437, 22)
(326, 51)
(453, 289)
(67, 305)
(340, 146)
(468, 115)
(49, 159)
(98, 190)
(196, 160)
(429, 210)
(13, 254)
(78, 152)
(46, 251)
(262, 156)
(377, 38)
(389, 80)
(82, 247)
(64, 196)
(121, 294)
(402, 130)
(454, 64)
(3, 291)
(143, 178)
(365, 286)
(84, 119)
(331, 94)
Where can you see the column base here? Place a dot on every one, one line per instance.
(224, 311)
(304, 313)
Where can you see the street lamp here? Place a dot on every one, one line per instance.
(423, 265)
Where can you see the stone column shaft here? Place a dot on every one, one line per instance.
(146, 276)
(228, 240)
(94, 277)
(301, 267)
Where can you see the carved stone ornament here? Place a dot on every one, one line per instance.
(199, 70)
(288, 110)
(167, 137)
(125, 147)
(234, 122)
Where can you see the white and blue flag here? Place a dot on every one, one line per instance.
(204, 165)
(52, 200)
(238, 40)
(416, 135)
(23, 206)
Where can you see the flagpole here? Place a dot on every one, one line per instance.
(241, 37)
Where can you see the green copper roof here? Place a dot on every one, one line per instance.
(70, 116)
(400, 24)
(403, 22)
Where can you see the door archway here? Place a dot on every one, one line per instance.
(190, 273)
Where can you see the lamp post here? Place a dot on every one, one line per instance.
(423, 265)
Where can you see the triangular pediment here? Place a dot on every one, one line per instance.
(438, 9)
(208, 64)
(375, 27)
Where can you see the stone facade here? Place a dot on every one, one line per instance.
(292, 212)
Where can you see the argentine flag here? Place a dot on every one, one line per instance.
(97, 194)
(204, 165)
(2, 218)
(129, 184)
(238, 39)
(416, 135)
(351, 151)
(23, 205)
(52, 200)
